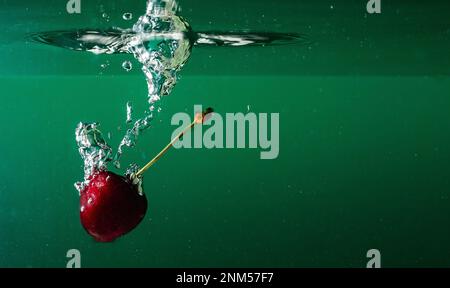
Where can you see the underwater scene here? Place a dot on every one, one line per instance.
(194, 133)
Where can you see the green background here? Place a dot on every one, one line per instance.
(364, 138)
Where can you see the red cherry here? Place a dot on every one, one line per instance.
(111, 206)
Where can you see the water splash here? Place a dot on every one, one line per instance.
(161, 40)
(117, 40)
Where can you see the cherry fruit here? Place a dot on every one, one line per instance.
(111, 206)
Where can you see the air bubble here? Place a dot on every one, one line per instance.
(104, 65)
(127, 16)
(127, 66)
(129, 112)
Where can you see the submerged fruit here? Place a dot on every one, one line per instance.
(111, 206)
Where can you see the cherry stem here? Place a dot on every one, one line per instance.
(199, 118)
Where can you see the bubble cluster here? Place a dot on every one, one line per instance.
(94, 150)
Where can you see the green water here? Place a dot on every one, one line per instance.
(364, 139)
